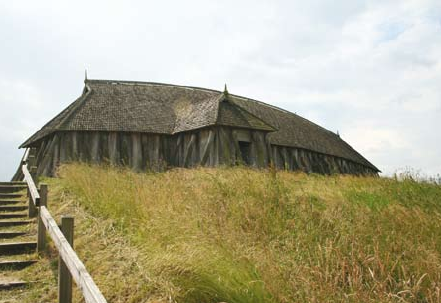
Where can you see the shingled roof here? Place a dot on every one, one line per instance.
(107, 105)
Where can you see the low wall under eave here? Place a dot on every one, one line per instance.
(205, 147)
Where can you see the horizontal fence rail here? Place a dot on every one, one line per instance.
(33, 191)
(71, 261)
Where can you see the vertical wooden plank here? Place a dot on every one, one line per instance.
(207, 138)
(172, 154)
(63, 145)
(136, 152)
(45, 167)
(56, 158)
(41, 151)
(75, 152)
(203, 139)
(82, 146)
(178, 151)
(188, 142)
(269, 150)
(156, 151)
(215, 149)
(308, 161)
(233, 147)
(113, 148)
(275, 155)
(290, 158)
(285, 158)
(295, 159)
(261, 149)
(41, 236)
(64, 276)
(253, 150)
(165, 150)
(224, 146)
(145, 146)
(94, 147)
(67, 147)
(103, 149)
(124, 148)
(237, 154)
(195, 150)
(302, 162)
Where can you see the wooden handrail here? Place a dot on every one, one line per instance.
(77, 269)
(25, 156)
(31, 185)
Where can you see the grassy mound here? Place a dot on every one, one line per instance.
(239, 235)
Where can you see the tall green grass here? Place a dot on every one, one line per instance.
(241, 235)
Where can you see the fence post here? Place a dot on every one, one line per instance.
(32, 210)
(33, 173)
(41, 237)
(64, 276)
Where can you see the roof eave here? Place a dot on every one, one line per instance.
(35, 137)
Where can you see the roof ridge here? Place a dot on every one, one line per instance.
(128, 82)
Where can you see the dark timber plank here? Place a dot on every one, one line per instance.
(12, 215)
(15, 223)
(16, 264)
(8, 202)
(13, 183)
(5, 208)
(12, 234)
(10, 195)
(7, 285)
(17, 248)
(11, 188)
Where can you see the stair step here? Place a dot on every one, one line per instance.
(12, 234)
(4, 208)
(16, 264)
(9, 202)
(10, 195)
(7, 285)
(5, 189)
(13, 183)
(17, 248)
(15, 223)
(12, 215)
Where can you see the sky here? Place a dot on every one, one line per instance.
(370, 70)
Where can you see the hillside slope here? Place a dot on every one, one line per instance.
(240, 235)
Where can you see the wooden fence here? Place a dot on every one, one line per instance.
(69, 265)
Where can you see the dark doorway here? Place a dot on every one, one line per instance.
(245, 148)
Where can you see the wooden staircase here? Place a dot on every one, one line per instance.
(17, 235)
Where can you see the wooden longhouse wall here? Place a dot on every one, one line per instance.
(211, 146)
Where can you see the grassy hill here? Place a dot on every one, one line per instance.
(241, 235)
